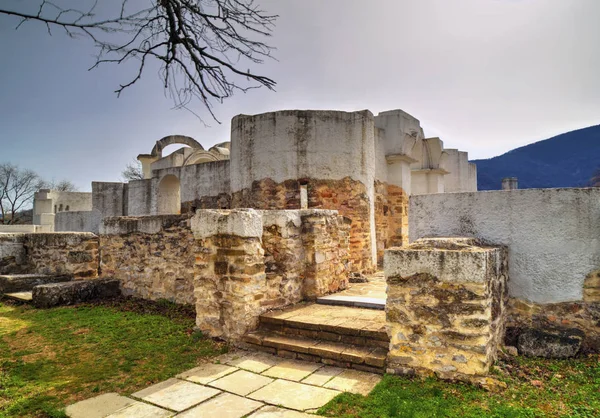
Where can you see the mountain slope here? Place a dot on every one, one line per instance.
(566, 160)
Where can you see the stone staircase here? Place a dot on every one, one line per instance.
(342, 336)
(19, 287)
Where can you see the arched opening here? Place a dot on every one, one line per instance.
(169, 201)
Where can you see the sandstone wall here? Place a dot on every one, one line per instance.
(69, 254)
(551, 234)
(152, 256)
(12, 253)
(284, 257)
(229, 272)
(446, 307)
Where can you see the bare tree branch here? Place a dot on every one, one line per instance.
(203, 46)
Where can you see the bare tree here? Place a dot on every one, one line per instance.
(17, 187)
(204, 47)
(133, 171)
(61, 186)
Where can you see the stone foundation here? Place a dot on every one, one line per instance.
(152, 256)
(73, 254)
(567, 316)
(445, 307)
(349, 197)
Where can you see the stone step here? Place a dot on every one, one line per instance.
(352, 301)
(363, 327)
(370, 359)
(12, 283)
(25, 297)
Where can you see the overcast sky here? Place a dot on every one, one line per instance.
(486, 76)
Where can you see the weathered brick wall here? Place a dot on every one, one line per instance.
(391, 217)
(349, 197)
(152, 256)
(72, 254)
(445, 307)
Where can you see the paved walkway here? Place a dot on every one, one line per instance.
(361, 295)
(239, 384)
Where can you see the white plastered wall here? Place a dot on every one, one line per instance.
(553, 235)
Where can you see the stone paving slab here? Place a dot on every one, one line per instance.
(274, 412)
(354, 381)
(241, 382)
(175, 394)
(254, 362)
(234, 392)
(207, 373)
(225, 405)
(293, 370)
(294, 395)
(99, 406)
(141, 410)
(322, 376)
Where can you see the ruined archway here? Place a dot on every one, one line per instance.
(169, 199)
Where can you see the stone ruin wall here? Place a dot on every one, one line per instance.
(554, 252)
(152, 257)
(347, 196)
(391, 217)
(330, 152)
(446, 307)
(73, 254)
(212, 261)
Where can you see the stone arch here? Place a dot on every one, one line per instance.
(169, 195)
(174, 139)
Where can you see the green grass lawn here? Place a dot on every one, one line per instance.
(535, 388)
(52, 358)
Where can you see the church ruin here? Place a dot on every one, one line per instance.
(300, 202)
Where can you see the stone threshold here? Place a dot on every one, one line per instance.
(353, 301)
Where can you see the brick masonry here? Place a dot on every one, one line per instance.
(445, 307)
(391, 217)
(349, 197)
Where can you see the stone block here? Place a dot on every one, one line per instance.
(68, 293)
(446, 310)
(550, 343)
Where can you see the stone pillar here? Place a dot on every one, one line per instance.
(445, 306)
(510, 183)
(229, 271)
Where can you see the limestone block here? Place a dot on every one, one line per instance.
(445, 306)
(238, 222)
